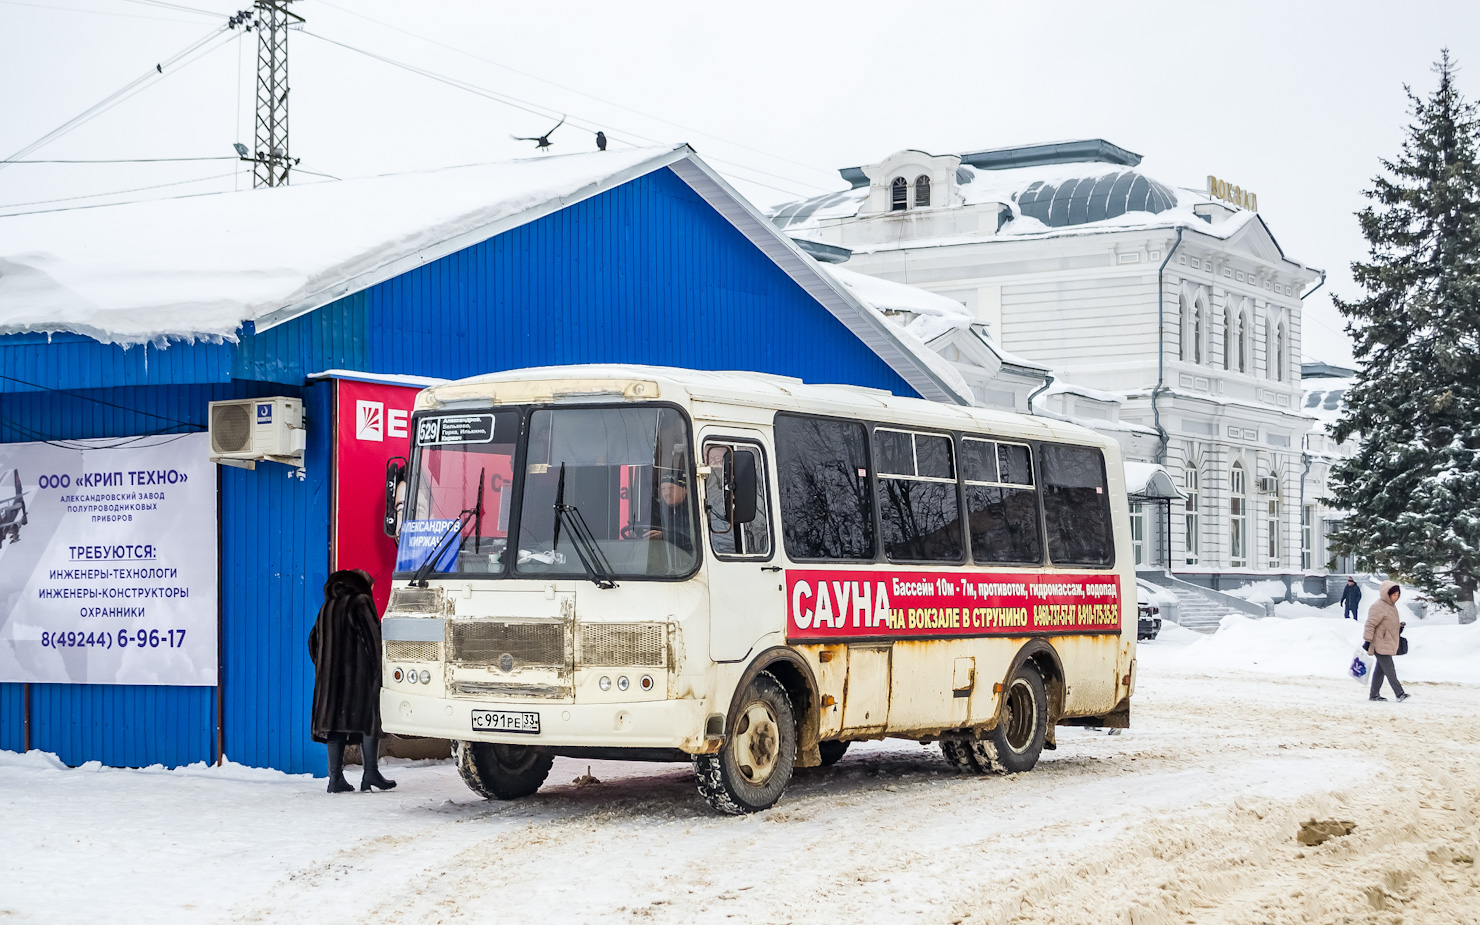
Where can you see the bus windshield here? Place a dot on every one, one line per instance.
(610, 483)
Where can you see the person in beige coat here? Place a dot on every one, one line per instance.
(1381, 632)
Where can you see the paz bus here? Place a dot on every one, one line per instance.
(748, 573)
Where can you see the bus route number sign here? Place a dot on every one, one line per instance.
(455, 428)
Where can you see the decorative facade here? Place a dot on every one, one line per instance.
(1182, 304)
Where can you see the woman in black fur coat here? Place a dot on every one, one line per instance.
(345, 647)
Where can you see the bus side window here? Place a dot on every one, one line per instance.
(742, 537)
(1001, 503)
(826, 502)
(1076, 505)
(918, 505)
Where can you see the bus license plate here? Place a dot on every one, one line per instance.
(506, 721)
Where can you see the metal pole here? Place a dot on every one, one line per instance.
(26, 706)
(271, 157)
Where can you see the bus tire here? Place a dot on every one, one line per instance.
(496, 771)
(1014, 744)
(754, 766)
(832, 751)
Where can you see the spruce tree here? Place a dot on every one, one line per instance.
(1413, 487)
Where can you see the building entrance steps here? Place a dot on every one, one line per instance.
(1201, 609)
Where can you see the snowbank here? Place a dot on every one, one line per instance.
(1320, 646)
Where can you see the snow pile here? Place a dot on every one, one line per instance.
(1320, 646)
(199, 266)
(1259, 592)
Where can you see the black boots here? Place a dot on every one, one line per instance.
(369, 746)
(337, 783)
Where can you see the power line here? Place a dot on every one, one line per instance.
(544, 112)
(129, 89)
(136, 189)
(514, 70)
(176, 6)
(73, 394)
(78, 9)
(123, 160)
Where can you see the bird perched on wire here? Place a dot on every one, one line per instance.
(543, 141)
(601, 141)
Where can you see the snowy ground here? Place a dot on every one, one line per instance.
(1188, 817)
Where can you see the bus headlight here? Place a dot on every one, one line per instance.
(623, 683)
(646, 683)
(397, 675)
(426, 676)
(605, 683)
(411, 677)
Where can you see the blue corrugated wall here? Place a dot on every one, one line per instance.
(644, 273)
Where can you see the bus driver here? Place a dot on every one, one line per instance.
(670, 518)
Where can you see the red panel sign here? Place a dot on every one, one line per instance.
(837, 604)
(373, 426)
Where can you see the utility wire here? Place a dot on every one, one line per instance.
(176, 6)
(118, 96)
(78, 9)
(136, 189)
(544, 112)
(125, 160)
(99, 401)
(590, 96)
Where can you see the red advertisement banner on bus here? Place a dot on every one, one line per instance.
(838, 604)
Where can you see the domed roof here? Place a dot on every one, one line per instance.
(1093, 199)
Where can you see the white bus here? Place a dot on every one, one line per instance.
(749, 573)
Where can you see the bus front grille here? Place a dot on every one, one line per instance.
(620, 645)
(397, 650)
(507, 646)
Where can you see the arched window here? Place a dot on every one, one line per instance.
(1230, 334)
(1238, 520)
(899, 195)
(1184, 314)
(1243, 342)
(922, 192)
(1199, 334)
(1190, 512)
(1279, 351)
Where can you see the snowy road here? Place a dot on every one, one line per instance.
(1190, 816)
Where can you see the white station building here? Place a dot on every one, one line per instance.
(1169, 316)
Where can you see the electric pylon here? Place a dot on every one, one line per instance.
(271, 160)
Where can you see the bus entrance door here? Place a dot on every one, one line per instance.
(746, 600)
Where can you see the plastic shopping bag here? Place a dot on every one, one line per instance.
(1361, 666)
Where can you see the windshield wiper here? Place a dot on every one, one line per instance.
(597, 567)
(419, 580)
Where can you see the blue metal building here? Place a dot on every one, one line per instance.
(659, 262)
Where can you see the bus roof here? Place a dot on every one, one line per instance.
(731, 387)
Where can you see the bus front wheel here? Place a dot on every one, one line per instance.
(1014, 744)
(754, 766)
(502, 772)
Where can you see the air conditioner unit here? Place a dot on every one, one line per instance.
(1269, 485)
(246, 430)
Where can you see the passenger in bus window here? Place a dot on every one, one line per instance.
(670, 520)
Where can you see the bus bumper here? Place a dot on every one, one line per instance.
(675, 724)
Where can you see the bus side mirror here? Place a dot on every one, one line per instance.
(395, 484)
(743, 487)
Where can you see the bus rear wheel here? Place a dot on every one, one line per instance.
(496, 771)
(753, 768)
(1014, 745)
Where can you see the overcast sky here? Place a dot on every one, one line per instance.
(1294, 101)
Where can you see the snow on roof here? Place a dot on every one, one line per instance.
(197, 267)
(978, 186)
(935, 316)
(1150, 481)
(1326, 399)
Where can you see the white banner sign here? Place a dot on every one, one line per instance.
(108, 569)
